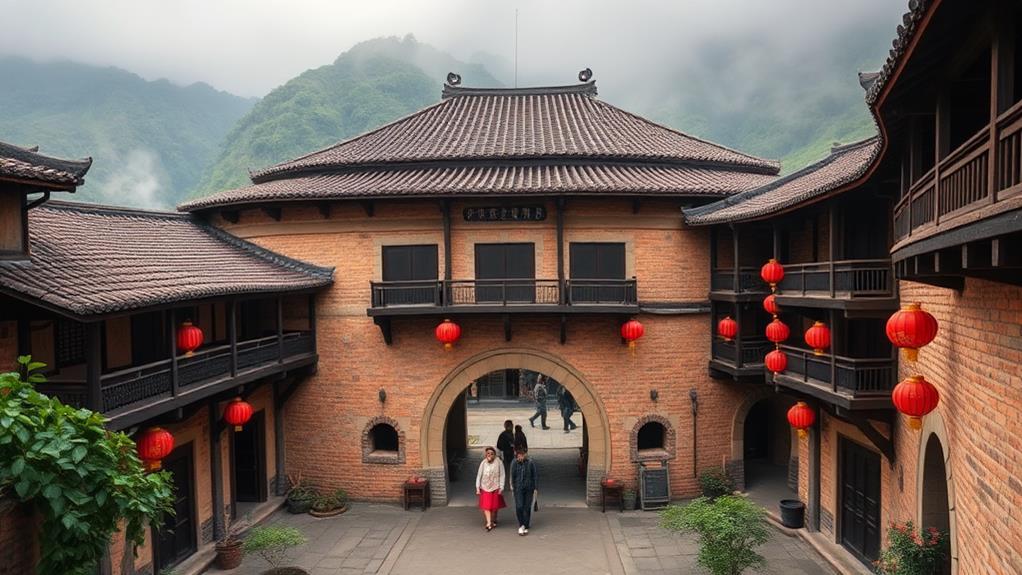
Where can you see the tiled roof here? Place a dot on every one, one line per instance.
(844, 165)
(89, 260)
(906, 31)
(629, 179)
(28, 164)
(472, 124)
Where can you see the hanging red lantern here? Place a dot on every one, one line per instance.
(237, 413)
(772, 273)
(818, 338)
(189, 338)
(153, 446)
(910, 328)
(915, 397)
(777, 331)
(448, 333)
(801, 417)
(727, 328)
(632, 330)
(770, 305)
(776, 361)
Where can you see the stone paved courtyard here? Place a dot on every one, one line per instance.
(386, 539)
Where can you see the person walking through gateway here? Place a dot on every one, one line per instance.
(521, 442)
(539, 394)
(566, 403)
(523, 487)
(490, 487)
(506, 446)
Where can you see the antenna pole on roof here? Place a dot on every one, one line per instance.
(516, 47)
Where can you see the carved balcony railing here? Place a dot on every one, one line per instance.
(526, 294)
(844, 279)
(967, 180)
(723, 280)
(849, 376)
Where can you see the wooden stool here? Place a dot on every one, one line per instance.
(416, 493)
(614, 493)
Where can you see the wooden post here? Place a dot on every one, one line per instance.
(232, 334)
(813, 507)
(216, 471)
(445, 208)
(280, 329)
(833, 352)
(281, 486)
(940, 147)
(560, 251)
(777, 241)
(173, 352)
(832, 240)
(738, 335)
(738, 270)
(1001, 57)
(312, 320)
(94, 365)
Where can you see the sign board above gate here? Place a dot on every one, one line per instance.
(506, 214)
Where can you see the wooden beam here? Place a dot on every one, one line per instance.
(273, 212)
(232, 334)
(280, 329)
(561, 296)
(172, 329)
(369, 207)
(231, 216)
(324, 209)
(883, 444)
(445, 208)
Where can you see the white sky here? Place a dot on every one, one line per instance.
(248, 47)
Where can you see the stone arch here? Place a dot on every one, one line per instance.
(434, 417)
(736, 466)
(669, 450)
(935, 430)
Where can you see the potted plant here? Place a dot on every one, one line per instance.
(300, 496)
(328, 505)
(629, 499)
(715, 483)
(912, 553)
(730, 528)
(229, 552)
(272, 543)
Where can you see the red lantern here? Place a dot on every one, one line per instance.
(153, 446)
(237, 413)
(448, 333)
(777, 331)
(770, 305)
(772, 273)
(776, 361)
(189, 338)
(727, 328)
(915, 397)
(632, 330)
(818, 338)
(801, 417)
(911, 328)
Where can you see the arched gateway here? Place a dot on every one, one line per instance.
(450, 389)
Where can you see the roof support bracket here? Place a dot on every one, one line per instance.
(384, 324)
(273, 213)
(884, 444)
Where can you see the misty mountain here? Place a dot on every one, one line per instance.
(373, 83)
(150, 140)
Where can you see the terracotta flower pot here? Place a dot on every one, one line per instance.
(229, 554)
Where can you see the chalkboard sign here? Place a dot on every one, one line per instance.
(655, 487)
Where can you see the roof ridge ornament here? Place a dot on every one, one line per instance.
(453, 79)
(585, 75)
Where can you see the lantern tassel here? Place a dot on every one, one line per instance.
(631, 348)
(910, 353)
(448, 346)
(817, 351)
(915, 423)
(802, 434)
(153, 465)
(237, 428)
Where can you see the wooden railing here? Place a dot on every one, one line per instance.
(961, 182)
(723, 279)
(504, 292)
(747, 353)
(851, 375)
(153, 381)
(845, 278)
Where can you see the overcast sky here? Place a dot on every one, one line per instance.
(248, 47)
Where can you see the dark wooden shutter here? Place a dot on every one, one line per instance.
(860, 500)
(176, 538)
(417, 265)
(513, 269)
(596, 270)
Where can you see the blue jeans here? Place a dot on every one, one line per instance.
(523, 506)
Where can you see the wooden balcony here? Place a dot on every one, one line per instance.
(443, 297)
(132, 395)
(850, 383)
(980, 179)
(847, 284)
(730, 284)
(739, 358)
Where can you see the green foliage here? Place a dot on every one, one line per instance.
(912, 553)
(715, 483)
(272, 543)
(82, 478)
(730, 529)
(330, 501)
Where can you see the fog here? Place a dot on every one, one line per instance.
(249, 47)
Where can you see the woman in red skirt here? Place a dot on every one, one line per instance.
(490, 487)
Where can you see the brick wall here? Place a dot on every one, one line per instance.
(8, 345)
(18, 550)
(327, 414)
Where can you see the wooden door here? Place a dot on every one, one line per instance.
(175, 538)
(860, 500)
(512, 267)
(417, 266)
(250, 460)
(596, 270)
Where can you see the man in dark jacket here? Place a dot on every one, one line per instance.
(523, 485)
(566, 403)
(506, 446)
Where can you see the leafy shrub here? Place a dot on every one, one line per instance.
(715, 483)
(272, 543)
(912, 553)
(82, 478)
(729, 529)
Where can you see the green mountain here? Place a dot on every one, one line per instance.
(151, 141)
(373, 83)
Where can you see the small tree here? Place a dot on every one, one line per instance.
(729, 529)
(715, 483)
(912, 553)
(272, 543)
